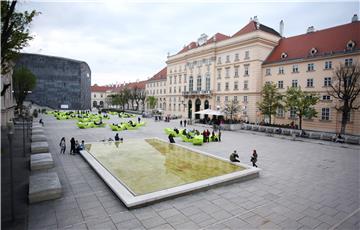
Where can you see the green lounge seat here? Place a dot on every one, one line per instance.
(198, 140)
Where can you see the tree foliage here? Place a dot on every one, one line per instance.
(231, 109)
(15, 33)
(346, 88)
(23, 82)
(302, 102)
(152, 101)
(271, 100)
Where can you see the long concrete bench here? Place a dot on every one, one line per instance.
(38, 137)
(41, 161)
(286, 132)
(352, 140)
(255, 128)
(37, 132)
(36, 125)
(315, 135)
(327, 137)
(44, 186)
(39, 147)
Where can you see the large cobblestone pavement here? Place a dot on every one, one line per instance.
(302, 185)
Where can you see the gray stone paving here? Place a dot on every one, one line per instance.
(303, 185)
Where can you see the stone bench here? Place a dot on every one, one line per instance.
(44, 186)
(255, 128)
(248, 127)
(327, 137)
(39, 147)
(41, 161)
(38, 138)
(297, 133)
(270, 130)
(315, 135)
(286, 132)
(262, 129)
(37, 132)
(352, 140)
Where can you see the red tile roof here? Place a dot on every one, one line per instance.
(139, 85)
(251, 27)
(97, 88)
(160, 75)
(325, 41)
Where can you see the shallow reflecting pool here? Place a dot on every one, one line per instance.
(151, 165)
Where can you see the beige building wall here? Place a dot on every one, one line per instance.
(318, 76)
(156, 88)
(100, 98)
(220, 61)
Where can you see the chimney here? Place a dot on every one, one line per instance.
(310, 29)
(256, 19)
(354, 18)
(281, 29)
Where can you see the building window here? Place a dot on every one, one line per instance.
(198, 83)
(292, 113)
(227, 58)
(327, 81)
(94, 95)
(235, 98)
(326, 97)
(236, 85)
(219, 74)
(348, 62)
(218, 98)
(310, 82)
(207, 83)
(246, 84)
(245, 99)
(179, 79)
(170, 80)
(218, 86)
(169, 90)
(311, 67)
(325, 114)
(236, 57)
(227, 72)
(226, 86)
(280, 84)
(174, 79)
(191, 84)
(328, 65)
(294, 83)
(268, 72)
(226, 98)
(219, 60)
(184, 88)
(236, 71)
(101, 95)
(184, 78)
(281, 70)
(280, 112)
(247, 55)
(295, 69)
(174, 89)
(246, 70)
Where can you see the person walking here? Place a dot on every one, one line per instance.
(72, 146)
(62, 145)
(139, 119)
(254, 158)
(181, 123)
(184, 123)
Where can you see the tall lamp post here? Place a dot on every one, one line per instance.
(23, 121)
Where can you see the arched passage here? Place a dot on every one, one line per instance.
(197, 108)
(189, 109)
(206, 106)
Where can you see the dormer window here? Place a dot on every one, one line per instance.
(350, 45)
(313, 51)
(284, 55)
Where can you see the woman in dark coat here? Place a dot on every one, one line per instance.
(72, 146)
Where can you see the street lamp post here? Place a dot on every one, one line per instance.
(23, 119)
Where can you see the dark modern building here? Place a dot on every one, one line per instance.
(62, 83)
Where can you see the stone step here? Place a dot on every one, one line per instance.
(41, 161)
(39, 147)
(44, 186)
(37, 125)
(38, 138)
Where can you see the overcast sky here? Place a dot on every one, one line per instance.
(126, 41)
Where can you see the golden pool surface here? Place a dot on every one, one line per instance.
(150, 165)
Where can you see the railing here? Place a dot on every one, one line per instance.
(198, 92)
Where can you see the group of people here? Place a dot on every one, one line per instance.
(183, 123)
(234, 157)
(75, 147)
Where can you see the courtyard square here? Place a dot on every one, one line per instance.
(303, 184)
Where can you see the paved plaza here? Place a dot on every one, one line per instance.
(304, 184)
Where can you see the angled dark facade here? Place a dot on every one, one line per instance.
(62, 83)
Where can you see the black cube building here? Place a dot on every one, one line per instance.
(62, 83)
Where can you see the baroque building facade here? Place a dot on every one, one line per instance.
(211, 72)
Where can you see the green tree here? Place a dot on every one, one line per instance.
(346, 88)
(231, 109)
(23, 82)
(15, 33)
(302, 102)
(152, 101)
(271, 100)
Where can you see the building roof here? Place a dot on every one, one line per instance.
(252, 26)
(161, 75)
(98, 88)
(326, 42)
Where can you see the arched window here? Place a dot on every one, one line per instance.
(191, 84)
